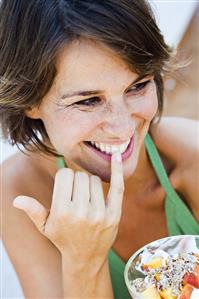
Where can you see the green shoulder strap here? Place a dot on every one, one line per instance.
(179, 218)
(117, 266)
(60, 162)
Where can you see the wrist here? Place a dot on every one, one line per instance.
(91, 267)
(86, 280)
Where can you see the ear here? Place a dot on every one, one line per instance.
(33, 112)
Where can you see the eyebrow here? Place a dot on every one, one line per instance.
(93, 92)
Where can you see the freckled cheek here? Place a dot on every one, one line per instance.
(84, 127)
(146, 107)
(150, 107)
(70, 130)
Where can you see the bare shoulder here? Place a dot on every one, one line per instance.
(24, 173)
(178, 140)
(178, 137)
(29, 251)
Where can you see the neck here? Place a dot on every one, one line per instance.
(143, 172)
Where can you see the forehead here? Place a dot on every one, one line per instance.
(88, 63)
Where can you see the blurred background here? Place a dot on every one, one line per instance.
(179, 23)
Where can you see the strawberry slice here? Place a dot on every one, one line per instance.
(192, 278)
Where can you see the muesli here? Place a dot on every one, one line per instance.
(170, 272)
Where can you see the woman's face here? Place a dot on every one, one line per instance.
(95, 97)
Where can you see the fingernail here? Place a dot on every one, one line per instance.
(117, 157)
(18, 202)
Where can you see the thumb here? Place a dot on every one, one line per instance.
(35, 210)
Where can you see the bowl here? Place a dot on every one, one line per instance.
(170, 246)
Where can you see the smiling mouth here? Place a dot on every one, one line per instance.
(109, 149)
(106, 151)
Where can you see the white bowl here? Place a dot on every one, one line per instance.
(130, 273)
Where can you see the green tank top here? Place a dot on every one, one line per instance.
(180, 220)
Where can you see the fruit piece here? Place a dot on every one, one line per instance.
(157, 276)
(153, 264)
(186, 292)
(197, 272)
(192, 278)
(167, 294)
(150, 293)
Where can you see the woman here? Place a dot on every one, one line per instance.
(81, 88)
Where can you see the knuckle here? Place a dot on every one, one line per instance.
(112, 220)
(81, 214)
(81, 221)
(61, 215)
(58, 217)
(110, 223)
(98, 218)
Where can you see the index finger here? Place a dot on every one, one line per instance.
(115, 194)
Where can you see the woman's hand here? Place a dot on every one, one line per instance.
(80, 223)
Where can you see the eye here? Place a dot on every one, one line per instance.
(139, 87)
(94, 101)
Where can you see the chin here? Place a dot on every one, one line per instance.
(105, 174)
(107, 179)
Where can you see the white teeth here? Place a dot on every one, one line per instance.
(97, 144)
(109, 149)
(103, 147)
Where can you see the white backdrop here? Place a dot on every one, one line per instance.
(173, 17)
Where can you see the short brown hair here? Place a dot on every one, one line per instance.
(31, 34)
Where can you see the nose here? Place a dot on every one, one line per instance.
(118, 122)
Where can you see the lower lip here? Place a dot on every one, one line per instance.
(107, 157)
